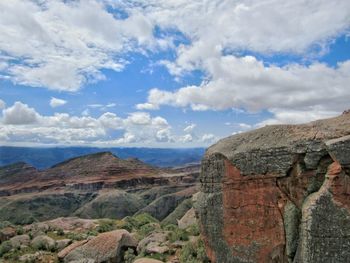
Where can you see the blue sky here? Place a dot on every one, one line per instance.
(167, 73)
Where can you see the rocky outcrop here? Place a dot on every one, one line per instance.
(278, 194)
(106, 247)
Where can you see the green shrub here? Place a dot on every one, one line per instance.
(170, 227)
(143, 219)
(4, 224)
(147, 229)
(193, 253)
(131, 223)
(106, 225)
(193, 230)
(60, 232)
(129, 255)
(76, 236)
(161, 257)
(5, 247)
(178, 235)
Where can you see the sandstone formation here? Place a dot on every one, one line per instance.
(106, 247)
(278, 194)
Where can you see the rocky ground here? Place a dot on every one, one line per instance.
(140, 238)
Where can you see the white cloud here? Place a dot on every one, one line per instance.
(147, 106)
(248, 83)
(2, 104)
(258, 25)
(19, 114)
(265, 27)
(62, 45)
(209, 138)
(186, 138)
(245, 126)
(22, 125)
(190, 128)
(102, 107)
(283, 116)
(55, 102)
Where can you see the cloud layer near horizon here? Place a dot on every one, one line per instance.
(21, 124)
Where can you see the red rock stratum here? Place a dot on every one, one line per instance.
(278, 194)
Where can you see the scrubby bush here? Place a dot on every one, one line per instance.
(193, 230)
(4, 224)
(147, 229)
(178, 235)
(60, 232)
(129, 255)
(136, 222)
(170, 227)
(106, 225)
(193, 253)
(76, 236)
(5, 247)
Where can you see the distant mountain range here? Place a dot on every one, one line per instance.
(43, 158)
(99, 185)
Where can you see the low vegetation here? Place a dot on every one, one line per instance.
(183, 244)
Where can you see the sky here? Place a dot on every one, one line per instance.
(167, 73)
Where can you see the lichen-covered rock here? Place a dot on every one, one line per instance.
(188, 219)
(20, 240)
(43, 243)
(62, 243)
(153, 242)
(6, 233)
(106, 247)
(278, 194)
(64, 252)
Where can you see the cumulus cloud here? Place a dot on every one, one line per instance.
(23, 124)
(209, 138)
(247, 83)
(19, 114)
(62, 45)
(55, 102)
(233, 80)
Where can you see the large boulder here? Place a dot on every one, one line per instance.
(106, 247)
(64, 252)
(188, 219)
(278, 194)
(20, 240)
(43, 243)
(62, 243)
(6, 233)
(153, 243)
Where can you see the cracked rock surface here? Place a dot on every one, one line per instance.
(278, 194)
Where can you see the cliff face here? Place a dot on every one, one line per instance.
(278, 194)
